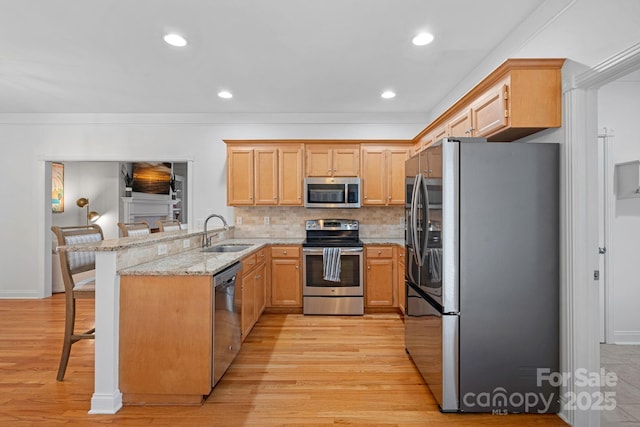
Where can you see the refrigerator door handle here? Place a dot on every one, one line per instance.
(414, 219)
(425, 191)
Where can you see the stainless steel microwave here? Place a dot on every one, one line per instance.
(332, 192)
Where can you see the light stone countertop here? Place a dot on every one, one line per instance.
(112, 245)
(197, 263)
(383, 241)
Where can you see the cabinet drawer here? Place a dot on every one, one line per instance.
(248, 263)
(379, 252)
(285, 252)
(261, 256)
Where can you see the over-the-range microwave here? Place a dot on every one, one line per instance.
(332, 192)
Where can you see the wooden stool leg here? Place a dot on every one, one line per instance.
(69, 323)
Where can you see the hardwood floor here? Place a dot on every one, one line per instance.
(292, 370)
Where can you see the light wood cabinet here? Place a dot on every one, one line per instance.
(383, 180)
(433, 167)
(328, 160)
(240, 176)
(380, 277)
(290, 176)
(400, 252)
(521, 97)
(253, 290)
(266, 175)
(286, 276)
(165, 355)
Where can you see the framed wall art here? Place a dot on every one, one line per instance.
(57, 187)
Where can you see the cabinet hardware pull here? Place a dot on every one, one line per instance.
(284, 252)
(368, 267)
(297, 267)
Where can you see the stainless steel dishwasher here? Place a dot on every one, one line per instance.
(227, 331)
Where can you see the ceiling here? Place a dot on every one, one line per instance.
(276, 56)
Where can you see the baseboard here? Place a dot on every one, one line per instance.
(626, 337)
(15, 294)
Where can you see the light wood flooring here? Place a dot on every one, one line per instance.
(293, 370)
(624, 361)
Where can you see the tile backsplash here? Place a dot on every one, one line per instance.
(288, 221)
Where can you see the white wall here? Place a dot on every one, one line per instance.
(618, 109)
(35, 140)
(97, 181)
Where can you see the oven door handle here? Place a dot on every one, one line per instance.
(342, 250)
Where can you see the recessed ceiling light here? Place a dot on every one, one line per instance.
(388, 94)
(225, 94)
(175, 40)
(422, 39)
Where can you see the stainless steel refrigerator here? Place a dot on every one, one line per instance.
(482, 274)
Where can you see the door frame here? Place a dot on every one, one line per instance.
(580, 329)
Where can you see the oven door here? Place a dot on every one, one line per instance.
(351, 273)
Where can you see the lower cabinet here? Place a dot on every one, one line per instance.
(253, 290)
(380, 277)
(166, 335)
(286, 277)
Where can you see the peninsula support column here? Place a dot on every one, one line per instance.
(107, 398)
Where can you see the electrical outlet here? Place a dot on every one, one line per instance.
(266, 220)
(162, 249)
(186, 243)
(200, 222)
(239, 220)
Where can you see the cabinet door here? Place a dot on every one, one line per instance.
(260, 291)
(440, 133)
(165, 348)
(239, 176)
(319, 161)
(434, 162)
(286, 282)
(290, 179)
(346, 161)
(490, 113)
(395, 176)
(266, 176)
(248, 303)
(461, 124)
(379, 288)
(373, 176)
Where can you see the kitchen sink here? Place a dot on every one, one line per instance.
(226, 248)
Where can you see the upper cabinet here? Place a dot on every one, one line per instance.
(264, 174)
(383, 174)
(332, 160)
(521, 97)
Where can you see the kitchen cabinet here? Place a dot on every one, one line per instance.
(252, 290)
(332, 160)
(383, 181)
(165, 350)
(286, 276)
(434, 162)
(380, 277)
(239, 176)
(521, 97)
(266, 175)
(399, 252)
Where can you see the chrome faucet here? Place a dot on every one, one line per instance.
(206, 240)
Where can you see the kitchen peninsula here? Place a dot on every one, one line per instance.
(133, 258)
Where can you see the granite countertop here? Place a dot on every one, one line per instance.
(112, 245)
(197, 263)
(383, 241)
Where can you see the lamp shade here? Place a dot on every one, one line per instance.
(93, 216)
(82, 202)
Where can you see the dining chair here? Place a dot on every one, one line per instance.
(72, 264)
(168, 225)
(130, 229)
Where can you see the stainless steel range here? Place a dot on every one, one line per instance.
(340, 239)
